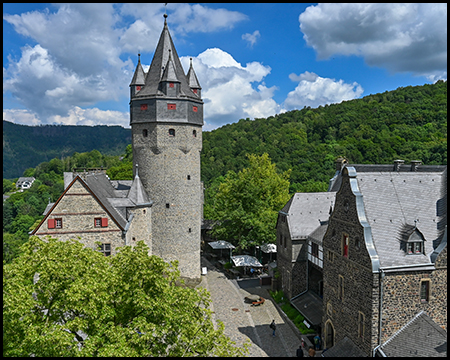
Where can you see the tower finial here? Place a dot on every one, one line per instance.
(139, 58)
(165, 13)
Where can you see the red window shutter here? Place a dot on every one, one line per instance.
(51, 223)
(144, 107)
(104, 222)
(171, 106)
(171, 85)
(195, 108)
(138, 88)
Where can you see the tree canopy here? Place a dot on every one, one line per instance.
(61, 299)
(246, 204)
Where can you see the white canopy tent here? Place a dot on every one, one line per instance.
(221, 245)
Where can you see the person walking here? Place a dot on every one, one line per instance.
(317, 341)
(311, 352)
(273, 327)
(300, 351)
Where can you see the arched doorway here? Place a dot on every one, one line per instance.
(329, 334)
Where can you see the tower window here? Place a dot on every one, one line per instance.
(167, 205)
(171, 85)
(171, 106)
(195, 108)
(144, 106)
(424, 291)
(145, 133)
(194, 133)
(189, 177)
(171, 132)
(138, 88)
(195, 91)
(190, 230)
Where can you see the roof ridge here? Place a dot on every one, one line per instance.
(404, 327)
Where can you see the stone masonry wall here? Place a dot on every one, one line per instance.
(401, 299)
(169, 168)
(356, 271)
(140, 227)
(77, 209)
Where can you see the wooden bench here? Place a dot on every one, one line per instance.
(260, 302)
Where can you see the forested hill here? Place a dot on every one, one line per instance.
(27, 146)
(408, 123)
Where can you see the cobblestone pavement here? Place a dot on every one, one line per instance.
(243, 321)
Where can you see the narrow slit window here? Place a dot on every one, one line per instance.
(145, 133)
(425, 291)
(171, 132)
(194, 133)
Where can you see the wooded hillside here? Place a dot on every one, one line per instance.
(28, 146)
(407, 123)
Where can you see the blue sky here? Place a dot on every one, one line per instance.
(72, 63)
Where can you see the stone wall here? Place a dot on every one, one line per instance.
(169, 168)
(401, 299)
(355, 270)
(78, 209)
(140, 227)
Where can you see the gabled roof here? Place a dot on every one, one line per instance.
(420, 337)
(344, 348)
(157, 67)
(307, 211)
(394, 203)
(114, 201)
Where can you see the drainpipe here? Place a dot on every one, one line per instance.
(380, 312)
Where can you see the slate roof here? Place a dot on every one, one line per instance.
(306, 210)
(310, 306)
(115, 196)
(158, 65)
(139, 74)
(395, 202)
(344, 348)
(420, 337)
(192, 78)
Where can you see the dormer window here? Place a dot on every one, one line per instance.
(413, 241)
(171, 85)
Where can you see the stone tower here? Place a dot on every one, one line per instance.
(166, 118)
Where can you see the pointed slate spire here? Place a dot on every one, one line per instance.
(192, 80)
(169, 70)
(137, 192)
(139, 74)
(158, 66)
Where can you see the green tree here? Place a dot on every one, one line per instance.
(247, 203)
(63, 299)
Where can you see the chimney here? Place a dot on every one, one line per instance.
(397, 164)
(415, 164)
(340, 162)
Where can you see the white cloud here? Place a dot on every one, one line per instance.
(314, 90)
(227, 88)
(251, 38)
(91, 117)
(75, 61)
(401, 37)
(20, 116)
